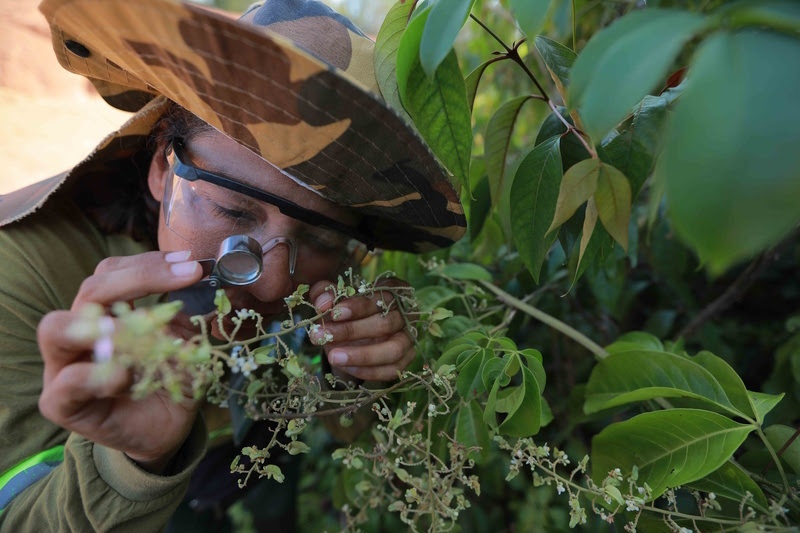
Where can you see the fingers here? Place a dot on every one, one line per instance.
(69, 391)
(379, 361)
(129, 278)
(371, 327)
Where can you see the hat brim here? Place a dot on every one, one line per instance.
(308, 118)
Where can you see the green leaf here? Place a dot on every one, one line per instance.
(578, 185)
(572, 150)
(669, 448)
(297, 447)
(635, 340)
(435, 296)
(778, 436)
(498, 140)
(732, 482)
(444, 22)
(438, 105)
(558, 59)
(613, 202)
(472, 431)
(255, 387)
(639, 375)
(221, 302)
(534, 194)
(781, 15)
(589, 224)
(385, 55)
(627, 60)
(514, 410)
(729, 380)
(530, 14)
(734, 133)
(274, 472)
(469, 383)
(466, 271)
(763, 403)
(491, 371)
(474, 78)
(480, 202)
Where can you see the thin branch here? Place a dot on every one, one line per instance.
(551, 321)
(783, 449)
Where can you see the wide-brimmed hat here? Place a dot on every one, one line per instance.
(292, 80)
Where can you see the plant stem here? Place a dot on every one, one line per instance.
(551, 321)
(775, 458)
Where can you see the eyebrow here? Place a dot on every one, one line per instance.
(190, 172)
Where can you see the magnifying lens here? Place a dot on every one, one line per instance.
(238, 263)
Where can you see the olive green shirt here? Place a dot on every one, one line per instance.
(43, 260)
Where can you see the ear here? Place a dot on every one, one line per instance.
(158, 173)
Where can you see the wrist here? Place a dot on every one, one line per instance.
(158, 465)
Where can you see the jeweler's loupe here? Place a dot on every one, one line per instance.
(239, 262)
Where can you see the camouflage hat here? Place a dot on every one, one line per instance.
(292, 80)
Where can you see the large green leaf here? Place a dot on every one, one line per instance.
(572, 150)
(444, 22)
(778, 436)
(558, 59)
(438, 105)
(626, 61)
(530, 14)
(469, 383)
(385, 56)
(471, 430)
(638, 375)
(669, 448)
(613, 203)
(466, 271)
(533, 202)
(730, 165)
(498, 140)
(732, 482)
(578, 185)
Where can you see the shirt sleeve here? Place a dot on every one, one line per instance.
(43, 260)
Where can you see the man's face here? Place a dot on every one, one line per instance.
(206, 214)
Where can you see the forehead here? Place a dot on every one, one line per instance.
(215, 152)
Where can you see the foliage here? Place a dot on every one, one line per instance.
(631, 180)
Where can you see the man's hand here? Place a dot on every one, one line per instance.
(92, 399)
(366, 344)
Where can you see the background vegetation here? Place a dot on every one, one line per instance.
(633, 237)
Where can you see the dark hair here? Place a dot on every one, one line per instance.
(124, 205)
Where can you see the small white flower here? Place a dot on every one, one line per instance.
(712, 496)
(631, 505)
(560, 488)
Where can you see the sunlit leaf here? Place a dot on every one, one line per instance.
(385, 56)
(628, 59)
(613, 202)
(670, 448)
(732, 482)
(533, 201)
(444, 22)
(498, 140)
(578, 185)
(733, 137)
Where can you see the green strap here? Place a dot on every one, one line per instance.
(54, 454)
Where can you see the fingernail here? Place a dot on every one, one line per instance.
(341, 313)
(184, 269)
(103, 350)
(338, 358)
(325, 299)
(175, 257)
